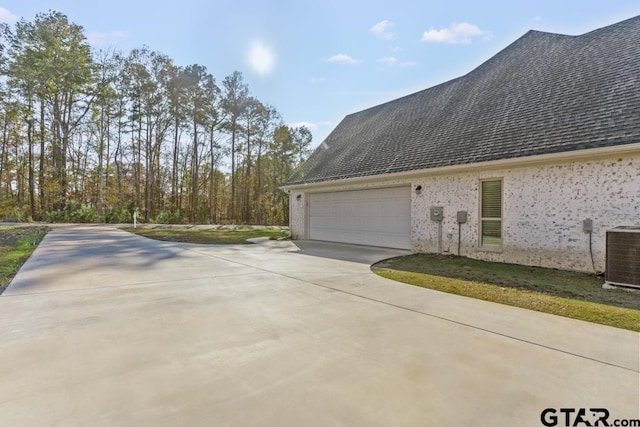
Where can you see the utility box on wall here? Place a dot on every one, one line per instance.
(461, 217)
(436, 213)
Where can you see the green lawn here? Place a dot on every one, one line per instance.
(16, 245)
(207, 236)
(564, 293)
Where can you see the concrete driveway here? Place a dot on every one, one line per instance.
(102, 327)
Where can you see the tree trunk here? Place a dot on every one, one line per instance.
(212, 173)
(41, 191)
(194, 179)
(232, 211)
(3, 157)
(100, 161)
(117, 158)
(32, 195)
(107, 163)
(258, 192)
(19, 176)
(247, 177)
(174, 167)
(56, 133)
(137, 163)
(148, 173)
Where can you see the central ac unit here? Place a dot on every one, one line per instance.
(623, 257)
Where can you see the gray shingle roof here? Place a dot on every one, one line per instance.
(544, 93)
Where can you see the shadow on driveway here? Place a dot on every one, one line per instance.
(345, 252)
(85, 255)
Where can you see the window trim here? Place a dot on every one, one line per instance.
(498, 246)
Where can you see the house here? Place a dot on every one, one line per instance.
(529, 158)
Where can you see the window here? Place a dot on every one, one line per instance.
(491, 212)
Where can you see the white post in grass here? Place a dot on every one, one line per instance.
(135, 217)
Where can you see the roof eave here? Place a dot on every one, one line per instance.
(588, 154)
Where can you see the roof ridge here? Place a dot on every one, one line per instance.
(460, 77)
(525, 36)
(610, 27)
(404, 97)
(543, 93)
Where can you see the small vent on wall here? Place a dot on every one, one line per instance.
(623, 256)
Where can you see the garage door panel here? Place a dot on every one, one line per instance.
(380, 217)
(357, 237)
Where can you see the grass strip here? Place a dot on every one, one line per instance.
(16, 246)
(515, 285)
(206, 236)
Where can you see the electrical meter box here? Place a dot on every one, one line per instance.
(436, 213)
(461, 217)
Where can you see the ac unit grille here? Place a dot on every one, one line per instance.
(623, 256)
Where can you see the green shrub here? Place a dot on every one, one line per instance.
(118, 215)
(168, 217)
(83, 214)
(53, 216)
(73, 212)
(14, 214)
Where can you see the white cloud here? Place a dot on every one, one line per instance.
(392, 61)
(6, 17)
(388, 60)
(316, 80)
(537, 18)
(381, 30)
(308, 125)
(261, 58)
(457, 33)
(98, 39)
(343, 58)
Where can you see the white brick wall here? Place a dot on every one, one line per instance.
(297, 214)
(543, 210)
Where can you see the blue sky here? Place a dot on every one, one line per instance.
(319, 61)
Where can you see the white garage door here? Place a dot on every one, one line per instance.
(377, 217)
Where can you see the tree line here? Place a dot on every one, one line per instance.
(94, 135)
